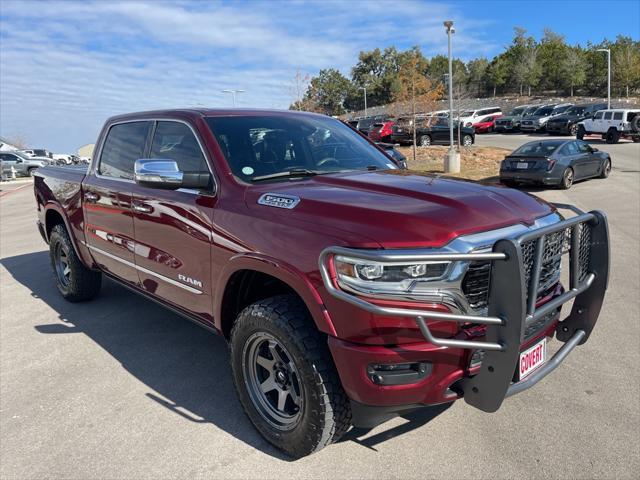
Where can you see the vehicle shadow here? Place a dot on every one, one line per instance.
(184, 366)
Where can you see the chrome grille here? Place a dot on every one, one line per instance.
(475, 284)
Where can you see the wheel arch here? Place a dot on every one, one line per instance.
(250, 277)
(55, 215)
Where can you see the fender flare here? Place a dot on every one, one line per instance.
(295, 279)
(83, 254)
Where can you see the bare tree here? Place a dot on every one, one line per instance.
(298, 88)
(18, 140)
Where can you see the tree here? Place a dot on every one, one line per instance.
(414, 88)
(573, 68)
(496, 74)
(298, 88)
(625, 59)
(532, 67)
(552, 53)
(326, 93)
(377, 71)
(477, 70)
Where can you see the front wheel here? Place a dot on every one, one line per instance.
(567, 179)
(31, 172)
(606, 169)
(581, 133)
(425, 141)
(612, 136)
(285, 377)
(75, 282)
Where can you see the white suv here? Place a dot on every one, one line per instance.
(469, 117)
(612, 125)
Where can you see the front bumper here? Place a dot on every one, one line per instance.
(511, 309)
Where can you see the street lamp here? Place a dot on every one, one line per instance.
(608, 75)
(452, 164)
(233, 94)
(365, 100)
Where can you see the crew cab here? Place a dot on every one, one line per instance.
(567, 123)
(349, 290)
(612, 125)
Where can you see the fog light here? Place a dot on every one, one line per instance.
(398, 373)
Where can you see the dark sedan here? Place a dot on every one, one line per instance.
(554, 162)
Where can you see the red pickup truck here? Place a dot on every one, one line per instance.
(349, 290)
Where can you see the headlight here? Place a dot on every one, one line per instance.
(376, 277)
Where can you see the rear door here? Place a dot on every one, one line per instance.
(107, 199)
(9, 160)
(173, 228)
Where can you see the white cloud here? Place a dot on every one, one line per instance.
(65, 67)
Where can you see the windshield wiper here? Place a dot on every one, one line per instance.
(291, 173)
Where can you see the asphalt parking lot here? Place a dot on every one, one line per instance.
(119, 387)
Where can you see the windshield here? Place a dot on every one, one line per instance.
(468, 113)
(255, 146)
(530, 111)
(517, 111)
(537, 148)
(544, 111)
(561, 109)
(575, 111)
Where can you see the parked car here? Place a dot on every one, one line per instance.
(365, 124)
(381, 131)
(349, 290)
(612, 125)
(554, 162)
(390, 149)
(469, 117)
(23, 164)
(62, 158)
(511, 122)
(567, 123)
(434, 130)
(38, 152)
(487, 125)
(537, 122)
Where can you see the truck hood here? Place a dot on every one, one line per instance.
(398, 208)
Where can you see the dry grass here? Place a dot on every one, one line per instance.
(476, 163)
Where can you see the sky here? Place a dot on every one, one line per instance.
(67, 66)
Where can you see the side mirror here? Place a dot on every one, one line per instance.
(593, 149)
(164, 174)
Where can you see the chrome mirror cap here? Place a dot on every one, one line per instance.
(158, 173)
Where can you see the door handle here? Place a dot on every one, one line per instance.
(142, 208)
(91, 197)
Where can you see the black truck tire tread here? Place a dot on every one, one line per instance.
(287, 316)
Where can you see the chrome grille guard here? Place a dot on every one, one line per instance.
(512, 304)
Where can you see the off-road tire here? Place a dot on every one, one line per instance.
(425, 141)
(612, 136)
(581, 132)
(606, 169)
(83, 283)
(567, 179)
(326, 412)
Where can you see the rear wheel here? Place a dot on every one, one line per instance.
(606, 169)
(567, 179)
(285, 378)
(612, 136)
(573, 129)
(75, 282)
(581, 133)
(425, 141)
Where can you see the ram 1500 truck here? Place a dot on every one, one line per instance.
(349, 290)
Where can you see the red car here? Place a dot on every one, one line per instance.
(349, 290)
(486, 125)
(381, 131)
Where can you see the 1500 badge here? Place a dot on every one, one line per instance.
(279, 201)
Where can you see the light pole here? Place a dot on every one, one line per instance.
(452, 164)
(233, 94)
(365, 100)
(608, 75)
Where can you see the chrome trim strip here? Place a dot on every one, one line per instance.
(142, 269)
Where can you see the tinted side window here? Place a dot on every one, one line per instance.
(607, 115)
(583, 147)
(569, 149)
(124, 145)
(617, 115)
(598, 115)
(176, 141)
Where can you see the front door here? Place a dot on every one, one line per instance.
(590, 161)
(174, 227)
(107, 200)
